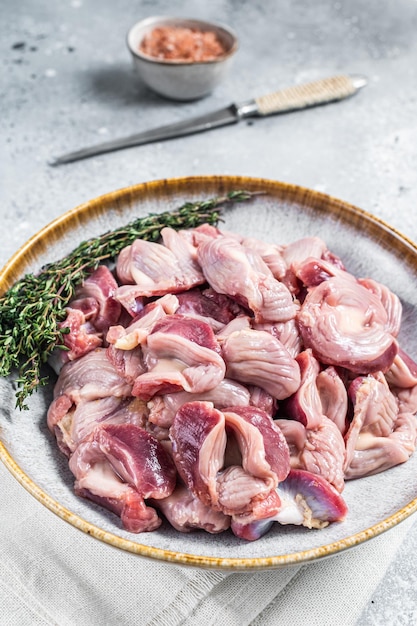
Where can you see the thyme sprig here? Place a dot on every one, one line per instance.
(32, 309)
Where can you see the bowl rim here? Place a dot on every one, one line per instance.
(206, 25)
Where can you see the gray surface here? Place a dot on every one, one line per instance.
(67, 81)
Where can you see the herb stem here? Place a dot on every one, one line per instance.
(32, 309)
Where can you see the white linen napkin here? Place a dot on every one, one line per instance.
(53, 574)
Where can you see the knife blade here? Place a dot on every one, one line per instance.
(322, 91)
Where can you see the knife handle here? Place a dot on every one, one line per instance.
(309, 94)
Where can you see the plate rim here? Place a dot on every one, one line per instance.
(73, 218)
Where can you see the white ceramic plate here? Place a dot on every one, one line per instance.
(368, 247)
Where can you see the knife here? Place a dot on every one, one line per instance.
(294, 98)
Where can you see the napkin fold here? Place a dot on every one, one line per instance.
(53, 574)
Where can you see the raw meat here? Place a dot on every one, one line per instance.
(345, 325)
(230, 383)
(229, 270)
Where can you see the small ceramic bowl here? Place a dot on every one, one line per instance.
(178, 79)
